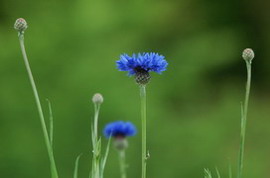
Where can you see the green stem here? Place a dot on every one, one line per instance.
(122, 161)
(41, 116)
(97, 108)
(143, 116)
(96, 145)
(244, 121)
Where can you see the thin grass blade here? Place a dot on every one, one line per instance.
(207, 173)
(104, 159)
(230, 171)
(218, 174)
(75, 175)
(51, 121)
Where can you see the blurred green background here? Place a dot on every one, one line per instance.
(193, 108)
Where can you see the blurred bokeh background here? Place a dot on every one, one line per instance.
(193, 108)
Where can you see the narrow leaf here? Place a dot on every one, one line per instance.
(104, 159)
(230, 171)
(217, 171)
(51, 122)
(207, 173)
(75, 175)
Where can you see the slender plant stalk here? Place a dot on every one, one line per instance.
(97, 108)
(244, 111)
(143, 117)
(122, 161)
(95, 167)
(96, 145)
(42, 120)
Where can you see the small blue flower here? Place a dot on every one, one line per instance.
(142, 62)
(119, 129)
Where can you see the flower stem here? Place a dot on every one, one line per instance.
(143, 117)
(97, 108)
(122, 161)
(244, 111)
(96, 144)
(54, 173)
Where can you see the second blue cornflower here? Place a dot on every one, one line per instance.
(120, 129)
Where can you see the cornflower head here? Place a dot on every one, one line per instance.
(119, 130)
(141, 64)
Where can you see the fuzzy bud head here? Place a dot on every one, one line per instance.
(248, 54)
(97, 98)
(20, 25)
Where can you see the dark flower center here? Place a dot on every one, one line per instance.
(140, 70)
(142, 76)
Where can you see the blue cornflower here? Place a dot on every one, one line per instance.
(142, 62)
(119, 129)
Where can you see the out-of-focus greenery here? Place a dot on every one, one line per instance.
(193, 108)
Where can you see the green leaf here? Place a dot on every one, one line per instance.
(104, 159)
(51, 121)
(75, 175)
(218, 174)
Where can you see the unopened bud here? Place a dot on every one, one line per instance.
(20, 25)
(97, 98)
(248, 55)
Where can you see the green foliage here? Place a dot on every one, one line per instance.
(207, 173)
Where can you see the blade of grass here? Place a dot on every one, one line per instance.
(75, 175)
(104, 159)
(51, 121)
(217, 171)
(207, 173)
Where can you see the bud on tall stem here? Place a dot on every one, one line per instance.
(21, 25)
(248, 56)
